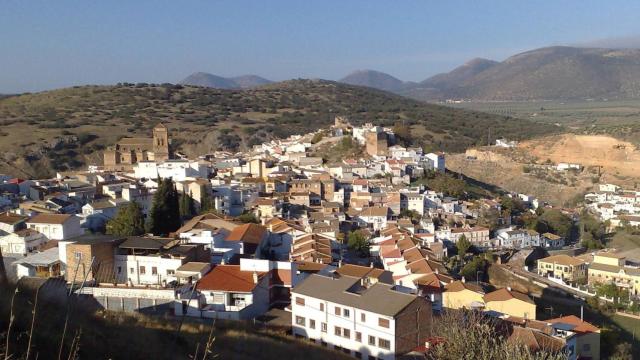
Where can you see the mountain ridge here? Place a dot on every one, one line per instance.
(219, 82)
(548, 73)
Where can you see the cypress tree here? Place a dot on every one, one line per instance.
(129, 221)
(164, 215)
(187, 206)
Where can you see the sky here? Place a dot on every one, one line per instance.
(52, 44)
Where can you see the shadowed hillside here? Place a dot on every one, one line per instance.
(68, 128)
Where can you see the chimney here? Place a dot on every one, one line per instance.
(371, 264)
(255, 277)
(463, 280)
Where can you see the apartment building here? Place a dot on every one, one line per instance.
(368, 321)
(563, 267)
(611, 268)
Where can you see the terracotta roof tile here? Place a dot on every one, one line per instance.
(228, 278)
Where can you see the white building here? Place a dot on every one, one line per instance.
(437, 161)
(21, 242)
(238, 292)
(373, 217)
(178, 170)
(153, 261)
(56, 226)
(362, 319)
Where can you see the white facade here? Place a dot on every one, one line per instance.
(146, 270)
(437, 161)
(221, 250)
(22, 242)
(317, 319)
(70, 228)
(178, 170)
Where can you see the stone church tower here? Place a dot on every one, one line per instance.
(160, 143)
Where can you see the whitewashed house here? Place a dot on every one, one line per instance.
(56, 226)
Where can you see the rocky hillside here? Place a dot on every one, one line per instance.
(68, 128)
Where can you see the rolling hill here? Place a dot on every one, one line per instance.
(374, 79)
(219, 82)
(68, 128)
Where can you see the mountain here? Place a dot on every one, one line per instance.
(219, 82)
(558, 72)
(373, 79)
(69, 128)
(459, 74)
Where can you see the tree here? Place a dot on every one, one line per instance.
(477, 266)
(402, 132)
(187, 206)
(358, 242)
(206, 201)
(248, 217)
(164, 215)
(463, 245)
(447, 184)
(554, 221)
(472, 335)
(129, 221)
(412, 214)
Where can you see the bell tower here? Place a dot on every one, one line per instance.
(160, 142)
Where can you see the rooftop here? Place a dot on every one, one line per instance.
(378, 298)
(228, 278)
(50, 219)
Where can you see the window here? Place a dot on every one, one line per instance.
(132, 270)
(363, 317)
(300, 320)
(358, 355)
(337, 331)
(77, 255)
(299, 301)
(154, 271)
(345, 312)
(143, 270)
(119, 269)
(372, 340)
(384, 344)
(171, 272)
(321, 306)
(383, 323)
(358, 336)
(337, 312)
(323, 327)
(346, 333)
(312, 324)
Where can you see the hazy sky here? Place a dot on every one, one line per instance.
(50, 44)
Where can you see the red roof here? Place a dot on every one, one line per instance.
(228, 278)
(248, 233)
(580, 325)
